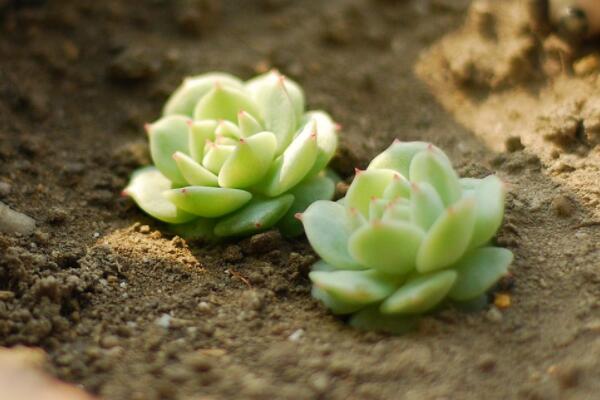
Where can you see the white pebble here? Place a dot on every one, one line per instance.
(12, 221)
(296, 335)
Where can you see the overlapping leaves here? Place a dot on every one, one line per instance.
(232, 158)
(409, 235)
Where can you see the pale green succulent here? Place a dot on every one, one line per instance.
(232, 158)
(409, 236)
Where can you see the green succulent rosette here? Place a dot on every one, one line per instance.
(408, 236)
(232, 158)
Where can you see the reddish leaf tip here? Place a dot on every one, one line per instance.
(357, 171)
(298, 216)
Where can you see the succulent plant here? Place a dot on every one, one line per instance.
(408, 236)
(232, 158)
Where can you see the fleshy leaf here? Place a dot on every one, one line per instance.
(184, 99)
(429, 166)
(376, 208)
(327, 139)
(420, 294)
(448, 238)
(146, 187)
(249, 162)
(305, 193)
(386, 246)
(398, 187)
(209, 202)
(400, 154)
(322, 266)
(248, 124)
(478, 271)
(426, 205)
(368, 184)
(328, 231)
(194, 173)
(216, 155)
(291, 167)
(277, 109)
(355, 287)
(355, 218)
(490, 195)
(199, 133)
(259, 215)
(197, 229)
(228, 129)
(336, 306)
(295, 93)
(225, 102)
(168, 135)
(398, 209)
(370, 319)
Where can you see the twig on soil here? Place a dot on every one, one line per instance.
(586, 224)
(240, 277)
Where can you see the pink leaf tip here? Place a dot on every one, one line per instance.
(298, 216)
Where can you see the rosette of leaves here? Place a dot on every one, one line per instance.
(232, 158)
(409, 236)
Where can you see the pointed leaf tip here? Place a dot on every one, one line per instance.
(298, 216)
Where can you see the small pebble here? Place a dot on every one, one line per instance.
(587, 65)
(261, 242)
(296, 335)
(13, 222)
(567, 376)
(109, 341)
(486, 362)
(493, 315)
(562, 206)
(5, 189)
(513, 144)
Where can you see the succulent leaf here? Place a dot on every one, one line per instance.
(305, 193)
(478, 271)
(225, 102)
(184, 99)
(249, 162)
(399, 187)
(248, 124)
(293, 165)
(399, 210)
(366, 185)
(327, 139)
(215, 156)
(257, 85)
(354, 287)
(386, 246)
(167, 136)
(259, 215)
(337, 306)
(420, 294)
(198, 229)
(448, 237)
(228, 129)
(146, 187)
(199, 133)
(209, 202)
(370, 319)
(400, 154)
(426, 205)
(428, 166)
(490, 195)
(328, 231)
(194, 173)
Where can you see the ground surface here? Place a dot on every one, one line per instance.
(128, 312)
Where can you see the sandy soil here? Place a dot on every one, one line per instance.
(127, 311)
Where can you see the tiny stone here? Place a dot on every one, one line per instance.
(57, 215)
(144, 229)
(6, 295)
(587, 65)
(296, 335)
(232, 253)
(164, 321)
(12, 221)
(262, 242)
(486, 362)
(110, 341)
(562, 206)
(566, 375)
(5, 189)
(513, 144)
(493, 315)
(204, 307)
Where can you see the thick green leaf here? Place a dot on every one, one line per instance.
(336, 306)
(292, 166)
(376, 208)
(429, 166)
(248, 124)
(216, 155)
(355, 219)
(386, 246)
(259, 215)
(446, 241)
(295, 93)
(197, 229)
(209, 202)
(478, 271)
(370, 319)
(327, 229)
(185, 97)
(318, 187)
(322, 266)
(397, 210)
(420, 294)
(146, 187)
(194, 173)
(366, 185)
(277, 109)
(426, 205)
(225, 102)
(228, 129)
(249, 162)
(399, 187)
(490, 195)
(400, 154)
(354, 287)
(199, 133)
(327, 139)
(168, 135)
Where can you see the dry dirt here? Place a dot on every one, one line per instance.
(128, 312)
